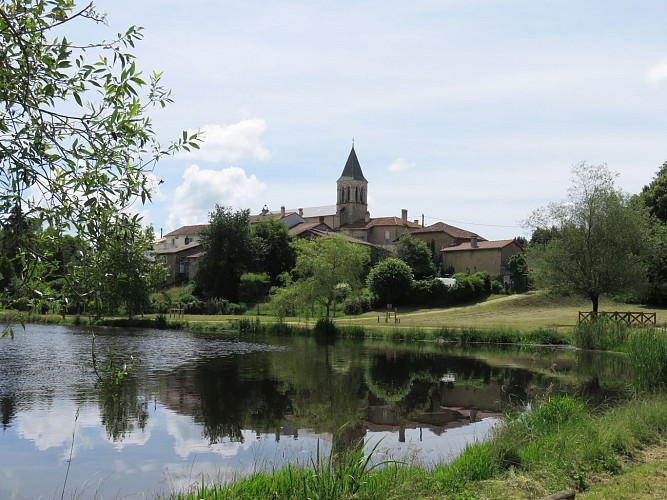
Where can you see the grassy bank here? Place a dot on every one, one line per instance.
(559, 445)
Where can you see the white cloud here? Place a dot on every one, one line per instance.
(201, 189)
(657, 73)
(232, 142)
(400, 165)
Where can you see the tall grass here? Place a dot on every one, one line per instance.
(602, 334)
(558, 444)
(348, 473)
(648, 357)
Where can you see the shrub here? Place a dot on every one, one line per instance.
(254, 287)
(430, 291)
(391, 281)
(325, 328)
(497, 287)
(357, 305)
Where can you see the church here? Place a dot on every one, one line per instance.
(460, 250)
(349, 216)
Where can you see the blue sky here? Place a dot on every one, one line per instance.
(471, 111)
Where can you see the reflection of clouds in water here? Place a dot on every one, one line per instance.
(135, 437)
(181, 477)
(424, 447)
(188, 438)
(52, 427)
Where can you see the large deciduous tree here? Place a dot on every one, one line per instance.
(322, 265)
(274, 246)
(77, 145)
(654, 197)
(600, 238)
(230, 251)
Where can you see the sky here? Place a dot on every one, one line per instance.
(470, 112)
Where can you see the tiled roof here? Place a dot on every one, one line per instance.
(455, 232)
(348, 238)
(267, 216)
(381, 221)
(302, 228)
(481, 245)
(184, 248)
(352, 169)
(186, 230)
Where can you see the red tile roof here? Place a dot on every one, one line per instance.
(184, 248)
(481, 245)
(380, 221)
(455, 232)
(187, 230)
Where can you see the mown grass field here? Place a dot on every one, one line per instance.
(524, 312)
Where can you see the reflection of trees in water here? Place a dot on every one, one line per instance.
(123, 407)
(7, 409)
(434, 388)
(231, 399)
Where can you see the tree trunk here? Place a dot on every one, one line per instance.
(595, 299)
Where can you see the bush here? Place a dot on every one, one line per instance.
(391, 281)
(470, 287)
(430, 291)
(357, 305)
(497, 287)
(254, 287)
(325, 328)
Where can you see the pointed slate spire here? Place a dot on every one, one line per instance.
(352, 169)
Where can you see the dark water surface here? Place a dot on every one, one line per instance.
(200, 406)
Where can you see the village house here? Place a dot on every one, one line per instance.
(476, 256)
(180, 250)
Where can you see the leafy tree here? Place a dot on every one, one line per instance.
(229, 253)
(391, 281)
(601, 238)
(518, 268)
(416, 254)
(76, 142)
(543, 235)
(322, 264)
(275, 252)
(119, 272)
(135, 272)
(654, 195)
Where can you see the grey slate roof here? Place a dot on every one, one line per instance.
(352, 168)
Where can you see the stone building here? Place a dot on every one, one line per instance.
(476, 256)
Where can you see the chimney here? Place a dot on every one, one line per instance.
(416, 221)
(404, 216)
(265, 210)
(367, 217)
(301, 212)
(282, 211)
(473, 241)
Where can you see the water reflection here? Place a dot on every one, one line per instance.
(208, 405)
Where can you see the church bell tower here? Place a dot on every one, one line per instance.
(352, 188)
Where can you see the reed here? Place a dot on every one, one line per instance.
(648, 356)
(603, 334)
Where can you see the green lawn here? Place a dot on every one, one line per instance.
(524, 312)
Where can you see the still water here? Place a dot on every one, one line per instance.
(205, 406)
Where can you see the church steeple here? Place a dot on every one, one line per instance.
(352, 169)
(352, 188)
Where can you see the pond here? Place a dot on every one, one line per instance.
(208, 406)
